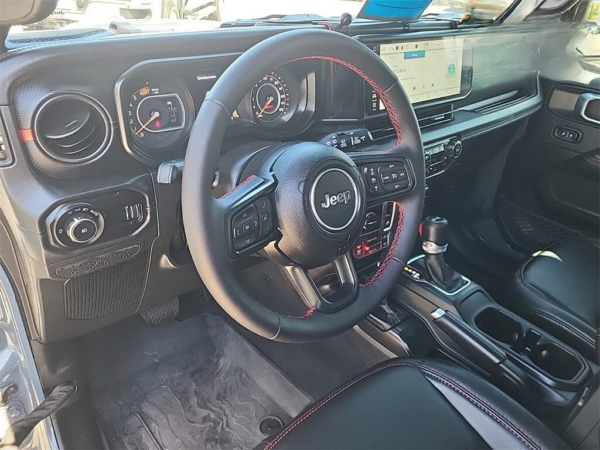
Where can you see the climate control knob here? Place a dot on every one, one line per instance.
(82, 229)
(454, 148)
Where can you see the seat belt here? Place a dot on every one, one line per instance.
(19, 430)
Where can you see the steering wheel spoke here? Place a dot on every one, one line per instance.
(249, 216)
(387, 177)
(311, 295)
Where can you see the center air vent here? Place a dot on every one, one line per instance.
(72, 128)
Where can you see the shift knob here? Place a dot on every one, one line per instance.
(434, 232)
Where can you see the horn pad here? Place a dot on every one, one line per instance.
(320, 200)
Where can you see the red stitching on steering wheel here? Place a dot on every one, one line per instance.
(368, 79)
(232, 190)
(396, 124)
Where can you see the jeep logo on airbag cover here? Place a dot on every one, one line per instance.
(343, 198)
(333, 199)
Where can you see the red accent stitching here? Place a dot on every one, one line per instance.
(231, 191)
(396, 124)
(378, 89)
(390, 254)
(309, 312)
(471, 398)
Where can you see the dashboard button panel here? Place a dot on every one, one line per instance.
(439, 156)
(376, 232)
(567, 134)
(98, 219)
(79, 224)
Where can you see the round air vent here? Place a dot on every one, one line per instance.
(72, 128)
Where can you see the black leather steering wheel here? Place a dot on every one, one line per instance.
(309, 198)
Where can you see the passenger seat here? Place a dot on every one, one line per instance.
(558, 289)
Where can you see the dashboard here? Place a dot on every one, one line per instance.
(93, 136)
(158, 99)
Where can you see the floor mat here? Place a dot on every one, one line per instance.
(185, 385)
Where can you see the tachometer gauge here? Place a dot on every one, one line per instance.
(159, 114)
(270, 99)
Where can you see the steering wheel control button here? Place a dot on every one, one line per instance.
(334, 199)
(246, 241)
(245, 227)
(251, 224)
(386, 177)
(344, 140)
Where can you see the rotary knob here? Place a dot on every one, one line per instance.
(454, 148)
(82, 228)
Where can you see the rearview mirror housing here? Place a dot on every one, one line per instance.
(21, 12)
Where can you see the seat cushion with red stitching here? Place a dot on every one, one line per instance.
(417, 403)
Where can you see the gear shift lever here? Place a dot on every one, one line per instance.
(434, 231)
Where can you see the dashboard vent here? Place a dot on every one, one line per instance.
(592, 110)
(5, 152)
(72, 128)
(503, 101)
(426, 117)
(381, 129)
(436, 115)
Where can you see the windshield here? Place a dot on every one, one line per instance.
(166, 15)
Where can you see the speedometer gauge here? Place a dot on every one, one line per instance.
(158, 114)
(270, 98)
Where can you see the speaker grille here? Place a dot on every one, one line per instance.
(96, 294)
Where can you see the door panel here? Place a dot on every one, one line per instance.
(551, 185)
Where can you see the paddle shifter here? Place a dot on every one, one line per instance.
(434, 231)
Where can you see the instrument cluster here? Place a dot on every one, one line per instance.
(157, 111)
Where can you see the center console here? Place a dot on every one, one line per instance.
(468, 326)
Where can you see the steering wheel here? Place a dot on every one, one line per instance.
(306, 203)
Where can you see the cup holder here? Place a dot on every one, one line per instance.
(555, 361)
(499, 326)
(529, 344)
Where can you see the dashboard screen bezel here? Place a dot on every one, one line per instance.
(466, 75)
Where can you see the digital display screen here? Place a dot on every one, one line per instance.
(427, 70)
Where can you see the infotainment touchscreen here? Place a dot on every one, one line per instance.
(428, 70)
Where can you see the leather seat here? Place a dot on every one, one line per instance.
(412, 403)
(558, 289)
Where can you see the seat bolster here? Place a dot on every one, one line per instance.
(465, 411)
(497, 418)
